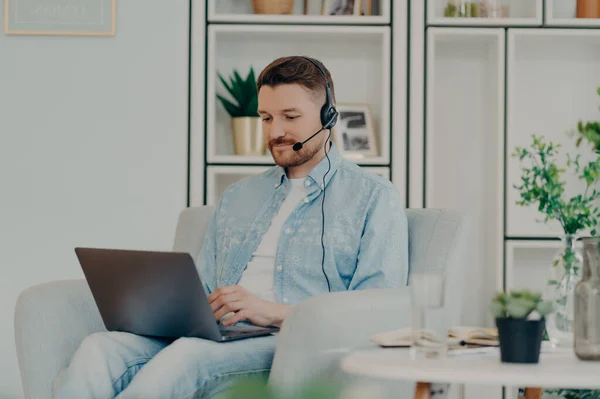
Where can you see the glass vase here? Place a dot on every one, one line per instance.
(565, 273)
(587, 303)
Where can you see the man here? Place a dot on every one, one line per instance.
(263, 252)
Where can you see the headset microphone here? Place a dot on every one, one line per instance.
(298, 146)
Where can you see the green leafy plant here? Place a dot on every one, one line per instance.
(244, 93)
(542, 185)
(519, 305)
(255, 388)
(589, 131)
(574, 393)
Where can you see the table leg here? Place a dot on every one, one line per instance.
(423, 390)
(533, 393)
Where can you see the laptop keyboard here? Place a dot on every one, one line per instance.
(240, 328)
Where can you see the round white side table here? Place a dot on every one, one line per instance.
(558, 368)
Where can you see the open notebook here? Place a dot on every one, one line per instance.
(461, 336)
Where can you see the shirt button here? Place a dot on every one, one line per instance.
(306, 199)
(307, 183)
(322, 185)
(285, 300)
(288, 231)
(279, 267)
(276, 185)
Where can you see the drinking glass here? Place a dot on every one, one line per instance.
(429, 316)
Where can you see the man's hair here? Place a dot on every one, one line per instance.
(297, 69)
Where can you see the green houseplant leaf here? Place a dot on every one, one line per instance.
(243, 92)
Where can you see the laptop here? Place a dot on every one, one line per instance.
(155, 294)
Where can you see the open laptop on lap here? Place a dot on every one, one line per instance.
(157, 294)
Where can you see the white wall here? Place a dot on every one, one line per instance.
(93, 149)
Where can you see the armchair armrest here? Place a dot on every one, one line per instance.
(320, 330)
(51, 321)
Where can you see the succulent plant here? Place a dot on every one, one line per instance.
(520, 305)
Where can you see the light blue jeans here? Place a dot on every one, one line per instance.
(127, 366)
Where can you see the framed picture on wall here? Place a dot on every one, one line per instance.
(341, 7)
(60, 17)
(354, 133)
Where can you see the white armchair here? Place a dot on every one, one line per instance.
(52, 319)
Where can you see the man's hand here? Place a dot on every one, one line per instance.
(246, 306)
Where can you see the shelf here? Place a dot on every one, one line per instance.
(553, 76)
(563, 13)
(219, 177)
(516, 13)
(528, 263)
(228, 11)
(359, 61)
(464, 128)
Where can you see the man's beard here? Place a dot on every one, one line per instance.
(291, 158)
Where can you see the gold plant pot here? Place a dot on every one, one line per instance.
(247, 136)
(273, 6)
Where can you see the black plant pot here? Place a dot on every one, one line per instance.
(520, 340)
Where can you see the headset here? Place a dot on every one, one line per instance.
(329, 117)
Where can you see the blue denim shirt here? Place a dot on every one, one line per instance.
(365, 235)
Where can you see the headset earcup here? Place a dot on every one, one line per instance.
(328, 116)
(334, 117)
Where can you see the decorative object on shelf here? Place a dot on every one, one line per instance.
(476, 8)
(493, 9)
(341, 7)
(586, 326)
(461, 9)
(588, 8)
(354, 133)
(57, 17)
(541, 185)
(368, 7)
(245, 122)
(520, 318)
(564, 275)
(273, 6)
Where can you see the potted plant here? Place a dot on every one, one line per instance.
(520, 318)
(245, 121)
(542, 185)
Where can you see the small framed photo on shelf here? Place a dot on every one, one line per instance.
(354, 133)
(341, 7)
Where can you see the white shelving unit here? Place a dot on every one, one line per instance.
(528, 263)
(564, 13)
(356, 49)
(552, 81)
(219, 177)
(465, 99)
(479, 88)
(361, 79)
(241, 11)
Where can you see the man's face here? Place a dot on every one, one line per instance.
(290, 113)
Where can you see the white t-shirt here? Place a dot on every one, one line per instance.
(258, 276)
